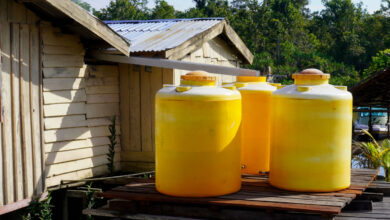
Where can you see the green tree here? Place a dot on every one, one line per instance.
(84, 5)
(379, 62)
(163, 10)
(124, 10)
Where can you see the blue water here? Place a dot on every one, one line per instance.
(381, 172)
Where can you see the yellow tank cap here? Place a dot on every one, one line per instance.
(303, 88)
(275, 84)
(198, 78)
(251, 79)
(183, 88)
(313, 74)
(241, 84)
(342, 88)
(229, 87)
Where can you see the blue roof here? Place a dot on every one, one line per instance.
(162, 34)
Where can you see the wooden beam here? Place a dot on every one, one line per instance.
(175, 64)
(238, 43)
(19, 205)
(90, 22)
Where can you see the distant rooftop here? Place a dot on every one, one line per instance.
(162, 34)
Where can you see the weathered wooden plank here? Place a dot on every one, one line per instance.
(77, 175)
(168, 76)
(105, 81)
(35, 108)
(144, 156)
(66, 96)
(77, 144)
(102, 89)
(66, 167)
(103, 98)
(65, 72)
(51, 37)
(135, 107)
(75, 49)
(71, 121)
(64, 109)
(155, 85)
(93, 122)
(100, 71)
(3, 18)
(25, 109)
(64, 156)
(17, 13)
(53, 84)
(146, 111)
(135, 166)
(66, 134)
(16, 122)
(62, 61)
(102, 131)
(102, 110)
(124, 105)
(7, 143)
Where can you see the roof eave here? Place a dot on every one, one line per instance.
(88, 21)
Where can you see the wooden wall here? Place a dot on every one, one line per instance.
(138, 86)
(215, 51)
(21, 158)
(79, 103)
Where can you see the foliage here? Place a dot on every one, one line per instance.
(83, 4)
(39, 210)
(375, 155)
(91, 199)
(111, 146)
(341, 39)
(379, 62)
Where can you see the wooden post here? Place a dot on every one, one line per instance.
(370, 120)
(388, 121)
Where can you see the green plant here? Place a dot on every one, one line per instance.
(91, 200)
(39, 210)
(111, 149)
(374, 155)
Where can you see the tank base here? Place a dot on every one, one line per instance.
(197, 194)
(309, 190)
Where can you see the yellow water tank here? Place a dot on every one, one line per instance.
(256, 97)
(198, 138)
(311, 135)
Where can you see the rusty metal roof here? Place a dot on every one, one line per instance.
(161, 35)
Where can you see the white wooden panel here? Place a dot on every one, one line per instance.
(66, 134)
(76, 49)
(63, 156)
(62, 61)
(102, 81)
(102, 110)
(65, 122)
(102, 89)
(103, 71)
(56, 97)
(102, 131)
(103, 98)
(65, 72)
(53, 84)
(65, 109)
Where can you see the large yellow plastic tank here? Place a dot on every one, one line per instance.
(311, 135)
(256, 97)
(198, 138)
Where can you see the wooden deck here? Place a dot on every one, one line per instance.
(256, 197)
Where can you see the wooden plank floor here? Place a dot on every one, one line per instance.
(256, 194)
(380, 210)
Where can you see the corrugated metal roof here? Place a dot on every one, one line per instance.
(161, 35)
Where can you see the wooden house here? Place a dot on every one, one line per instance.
(58, 94)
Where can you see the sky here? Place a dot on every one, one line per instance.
(314, 5)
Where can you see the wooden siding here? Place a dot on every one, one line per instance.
(21, 154)
(79, 103)
(215, 51)
(138, 86)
